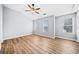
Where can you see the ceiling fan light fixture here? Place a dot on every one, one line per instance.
(33, 8)
(44, 14)
(32, 4)
(33, 11)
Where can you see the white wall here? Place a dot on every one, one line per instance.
(0, 23)
(38, 26)
(59, 24)
(78, 25)
(15, 24)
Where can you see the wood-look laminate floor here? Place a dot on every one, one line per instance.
(33, 44)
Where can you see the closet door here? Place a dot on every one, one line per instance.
(44, 27)
(35, 27)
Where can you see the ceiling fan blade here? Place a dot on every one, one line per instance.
(36, 12)
(29, 6)
(37, 8)
(27, 10)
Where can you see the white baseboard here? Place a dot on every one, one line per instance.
(1, 41)
(45, 36)
(11, 37)
(78, 40)
(67, 38)
(39, 35)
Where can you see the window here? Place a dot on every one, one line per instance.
(45, 26)
(68, 25)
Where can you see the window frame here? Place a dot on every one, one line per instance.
(70, 25)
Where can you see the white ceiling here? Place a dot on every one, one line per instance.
(49, 9)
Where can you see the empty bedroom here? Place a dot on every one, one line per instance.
(39, 28)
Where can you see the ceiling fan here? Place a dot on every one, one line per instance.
(33, 9)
